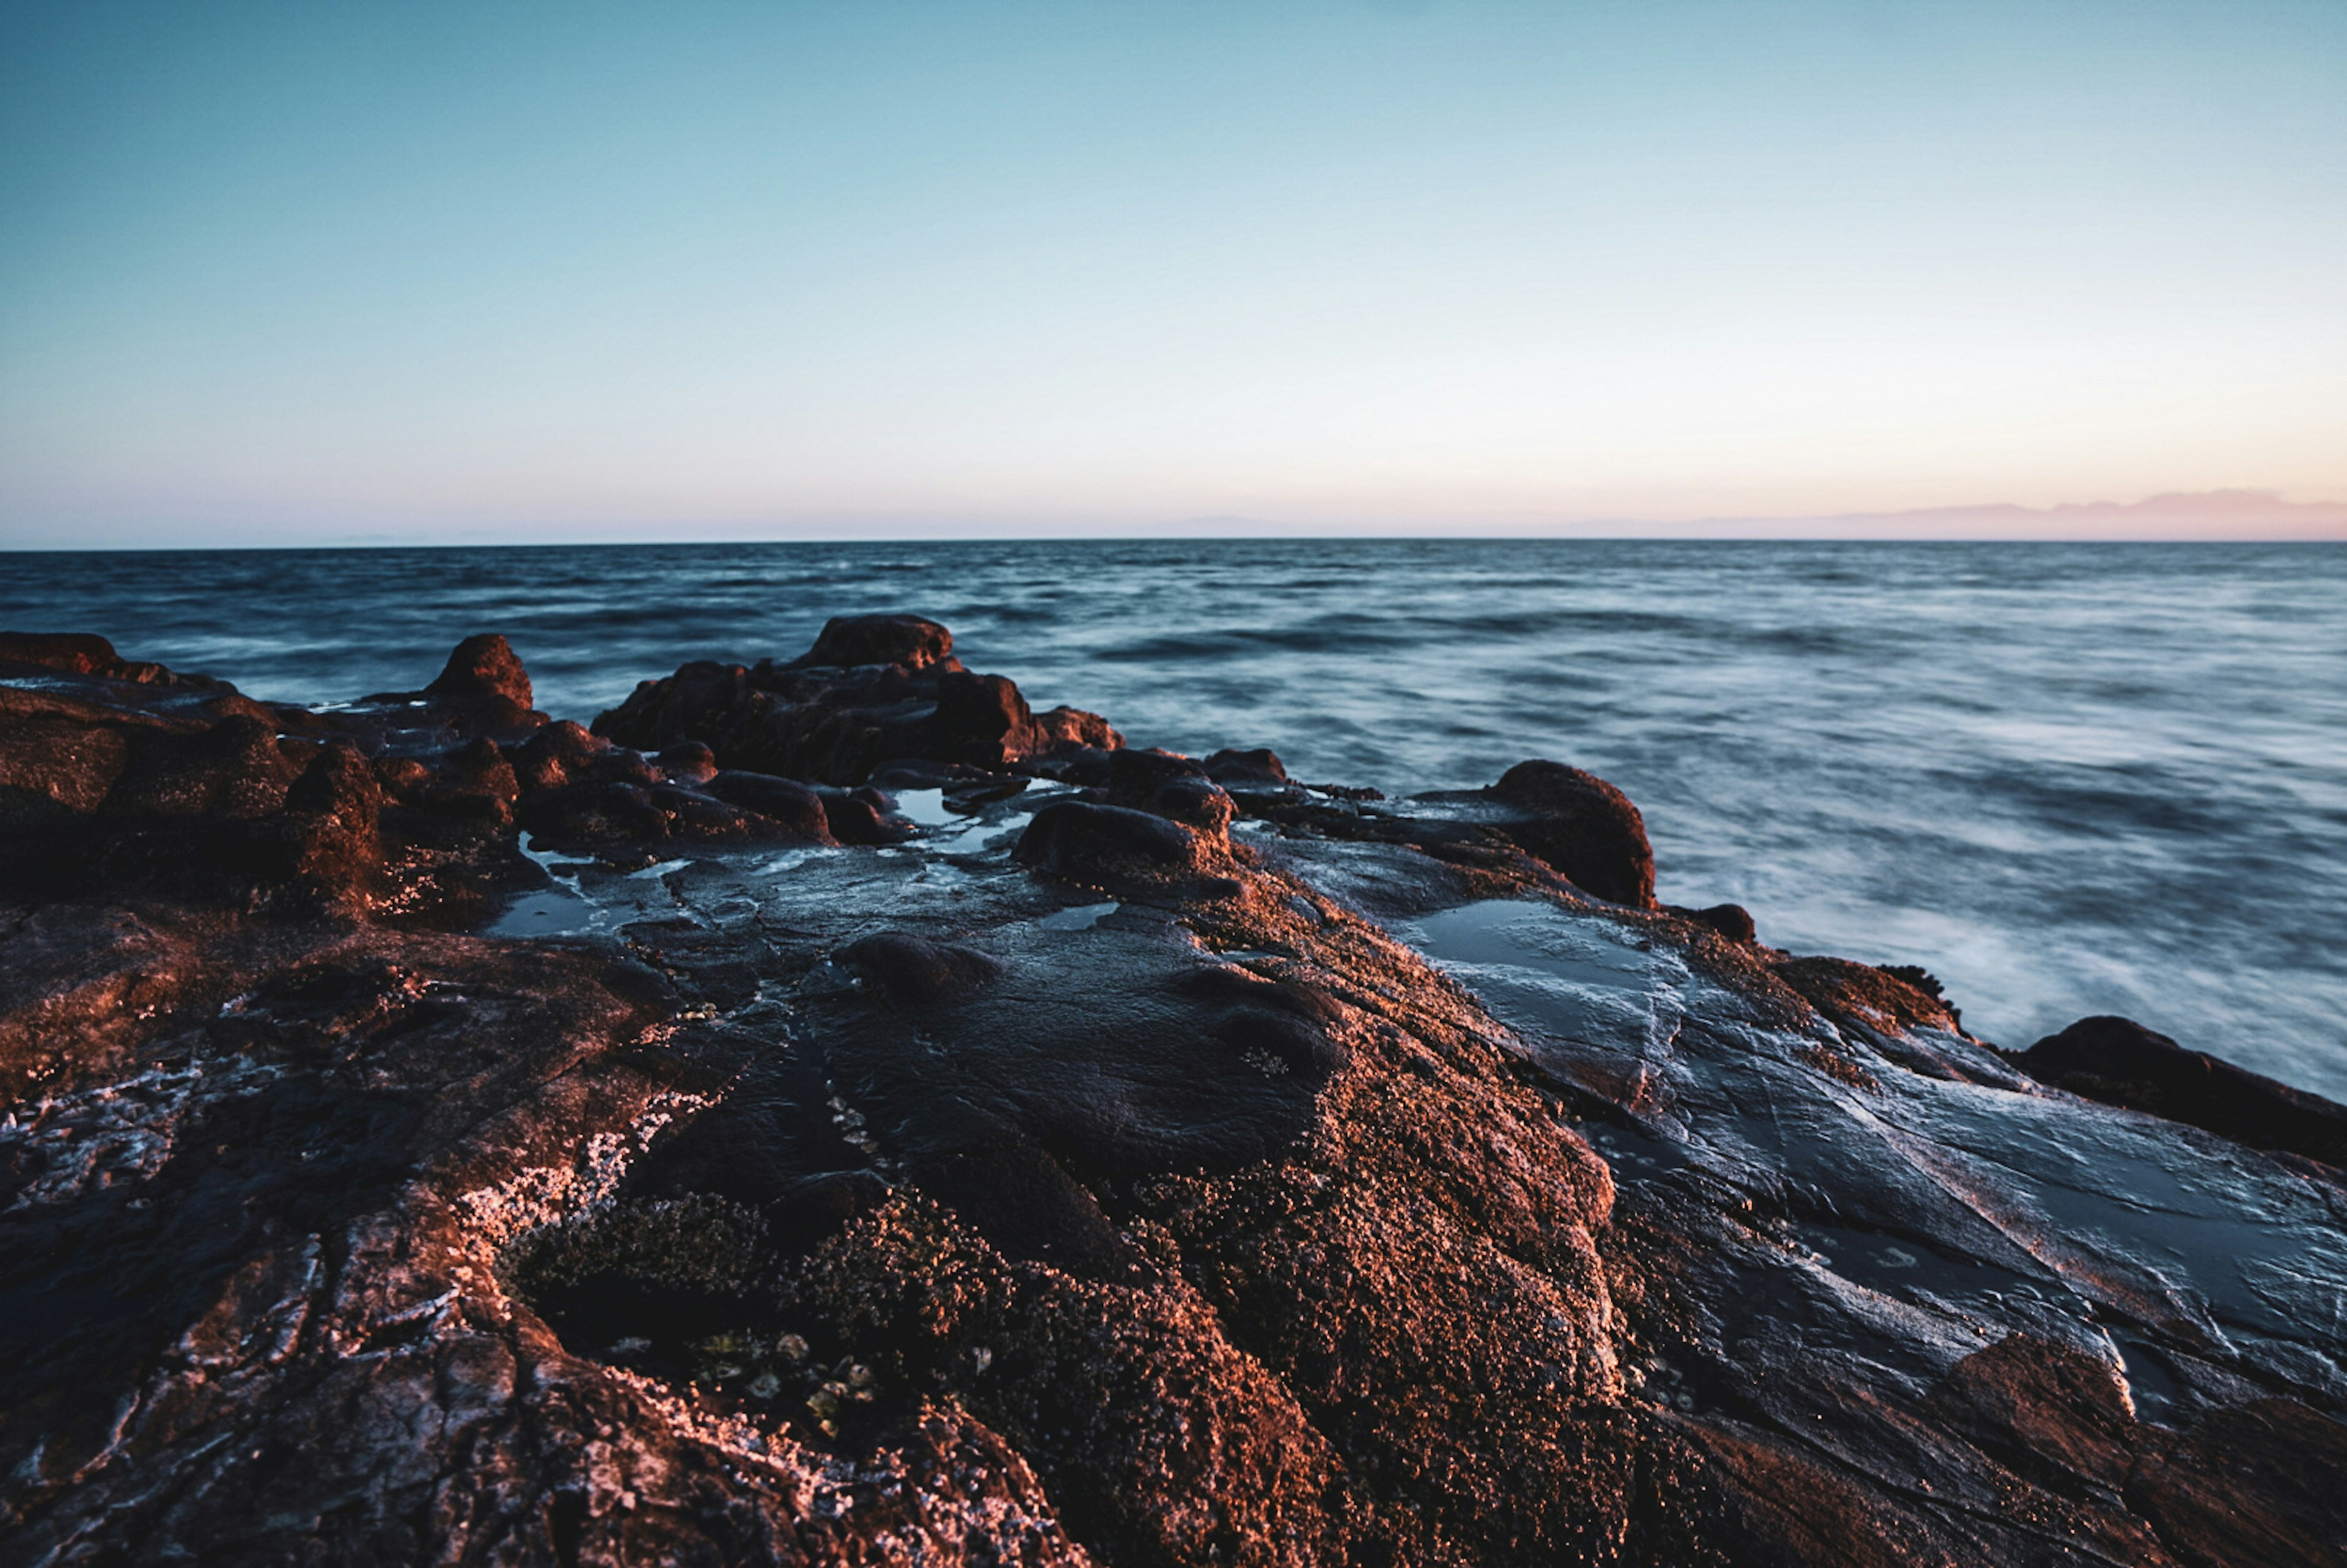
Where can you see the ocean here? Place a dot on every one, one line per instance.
(2067, 779)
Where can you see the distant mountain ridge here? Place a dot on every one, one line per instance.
(2238, 515)
(2221, 514)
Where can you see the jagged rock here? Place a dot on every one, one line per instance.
(1860, 996)
(482, 671)
(483, 690)
(872, 690)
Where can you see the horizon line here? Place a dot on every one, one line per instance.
(2214, 516)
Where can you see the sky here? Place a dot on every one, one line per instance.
(290, 274)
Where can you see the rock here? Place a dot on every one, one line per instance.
(59, 760)
(556, 755)
(1089, 767)
(1134, 776)
(473, 778)
(1863, 997)
(178, 786)
(483, 690)
(1171, 786)
(1257, 769)
(1583, 826)
(703, 818)
(863, 815)
(592, 815)
(75, 652)
(232, 769)
(797, 808)
(964, 788)
(980, 719)
(2119, 1062)
(1083, 842)
(80, 653)
(1732, 921)
(1194, 803)
(334, 812)
(1098, 1192)
(875, 689)
(1062, 728)
(906, 641)
(483, 671)
(688, 762)
(910, 969)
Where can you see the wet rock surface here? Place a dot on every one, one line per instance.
(2120, 1062)
(829, 1112)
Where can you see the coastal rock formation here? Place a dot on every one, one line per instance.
(829, 1113)
(874, 689)
(2119, 1062)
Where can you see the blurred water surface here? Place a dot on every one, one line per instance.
(2067, 778)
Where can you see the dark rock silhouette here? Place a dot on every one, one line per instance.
(872, 690)
(1083, 843)
(907, 642)
(1235, 769)
(482, 690)
(795, 806)
(1732, 921)
(1581, 826)
(2119, 1062)
(1132, 1159)
(483, 670)
(84, 653)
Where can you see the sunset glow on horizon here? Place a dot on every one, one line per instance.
(277, 274)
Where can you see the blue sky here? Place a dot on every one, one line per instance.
(421, 271)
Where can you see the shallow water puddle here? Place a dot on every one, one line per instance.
(1555, 977)
(555, 911)
(1082, 917)
(926, 808)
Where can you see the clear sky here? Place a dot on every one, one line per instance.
(423, 270)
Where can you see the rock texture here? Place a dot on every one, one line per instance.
(830, 1113)
(2120, 1062)
(874, 689)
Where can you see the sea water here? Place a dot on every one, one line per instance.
(2067, 779)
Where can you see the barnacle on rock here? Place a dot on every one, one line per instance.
(698, 1242)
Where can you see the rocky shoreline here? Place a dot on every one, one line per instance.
(829, 1111)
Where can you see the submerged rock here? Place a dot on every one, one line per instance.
(1041, 1171)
